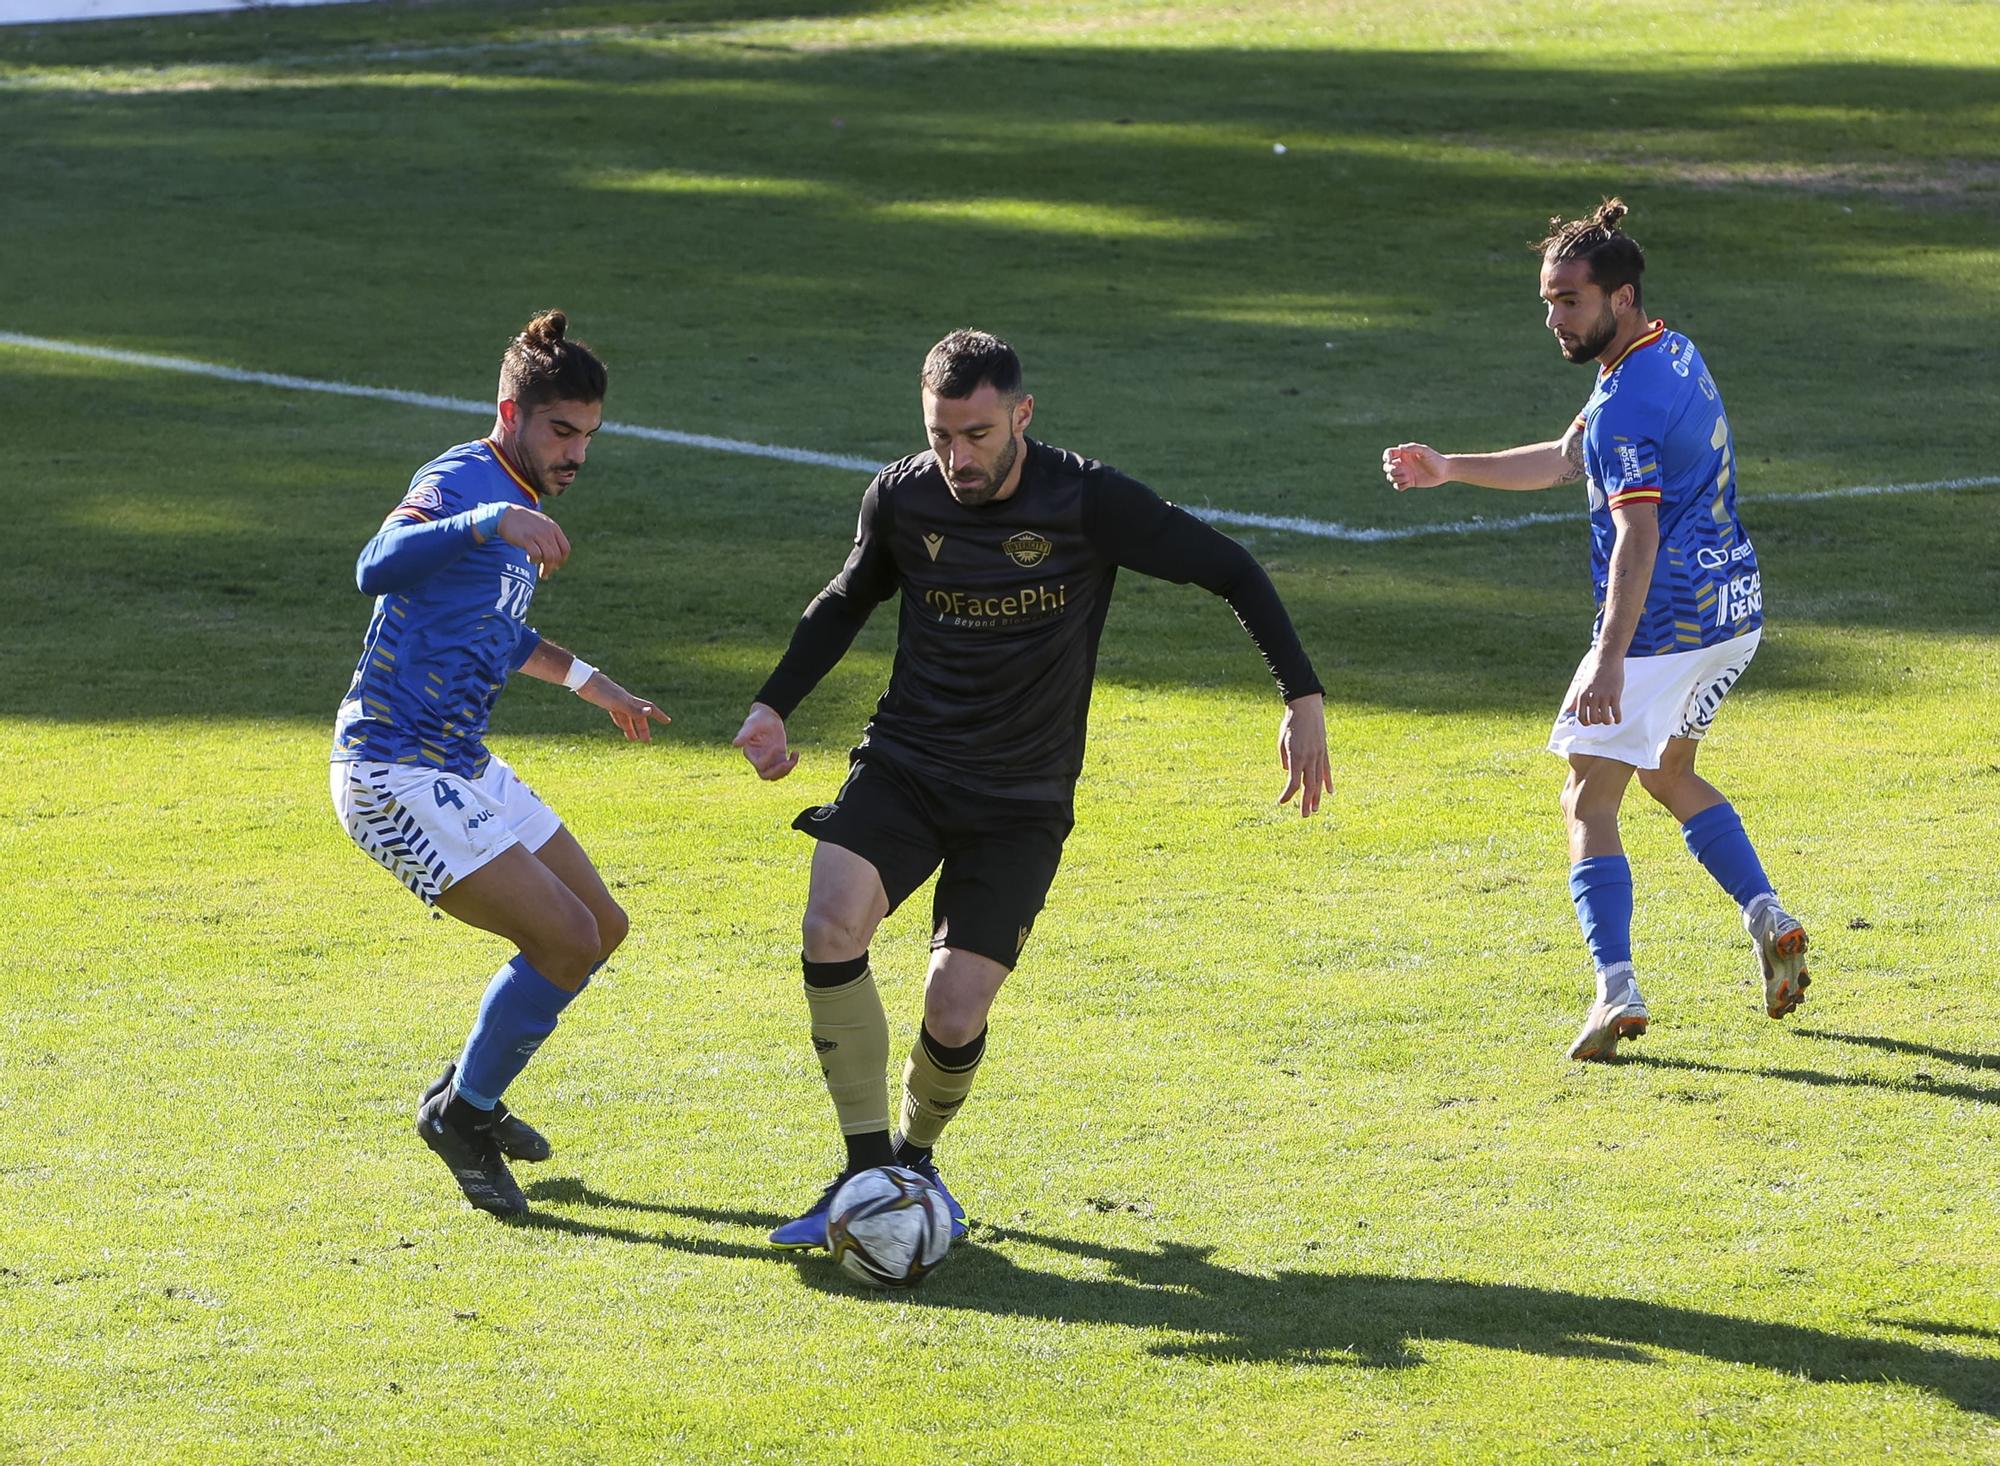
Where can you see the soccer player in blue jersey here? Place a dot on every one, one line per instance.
(1680, 607)
(453, 570)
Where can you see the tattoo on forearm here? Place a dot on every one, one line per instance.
(1572, 450)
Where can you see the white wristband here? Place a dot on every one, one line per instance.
(579, 673)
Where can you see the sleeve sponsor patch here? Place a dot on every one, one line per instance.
(427, 496)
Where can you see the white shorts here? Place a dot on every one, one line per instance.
(432, 829)
(1674, 696)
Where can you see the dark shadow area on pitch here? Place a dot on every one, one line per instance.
(570, 1191)
(575, 1191)
(1142, 220)
(1970, 1093)
(1359, 1320)
(1903, 1046)
(122, 613)
(1934, 1327)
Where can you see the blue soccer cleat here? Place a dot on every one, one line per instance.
(808, 1231)
(929, 1171)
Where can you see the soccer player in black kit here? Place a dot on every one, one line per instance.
(1004, 550)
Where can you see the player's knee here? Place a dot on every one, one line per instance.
(954, 1028)
(1660, 783)
(613, 925)
(1571, 796)
(1587, 800)
(832, 935)
(567, 948)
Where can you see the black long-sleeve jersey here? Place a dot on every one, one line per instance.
(1003, 607)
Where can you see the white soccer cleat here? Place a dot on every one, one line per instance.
(1607, 1023)
(1781, 956)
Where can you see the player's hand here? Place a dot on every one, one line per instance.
(1414, 466)
(762, 739)
(533, 531)
(1302, 752)
(633, 715)
(1598, 690)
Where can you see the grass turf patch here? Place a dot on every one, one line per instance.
(1276, 1155)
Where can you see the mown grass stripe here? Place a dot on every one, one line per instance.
(1316, 528)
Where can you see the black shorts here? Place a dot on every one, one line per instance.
(999, 855)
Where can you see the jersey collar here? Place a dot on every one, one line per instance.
(500, 457)
(1651, 334)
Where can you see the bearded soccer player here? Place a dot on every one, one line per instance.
(1680, 607)
(1003, 551)
(453, 570)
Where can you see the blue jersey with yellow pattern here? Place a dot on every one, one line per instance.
(1655, 433)
(451, 617)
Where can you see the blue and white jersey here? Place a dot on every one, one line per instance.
(444, 638)
(1655, 433)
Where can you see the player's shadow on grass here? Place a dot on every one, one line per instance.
(1380, 1322)
(1977, 1094)
(1361, 1320)
(569, 1191)
(1904, 1046)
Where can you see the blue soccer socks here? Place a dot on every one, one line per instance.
(519, 1011)
(1715, 837)
(1601, 887)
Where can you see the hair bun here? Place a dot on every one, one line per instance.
(1609, 213)
(546, 329)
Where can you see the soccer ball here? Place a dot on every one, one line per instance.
(888, 1227)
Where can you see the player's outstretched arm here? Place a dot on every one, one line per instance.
(762, 739)
(1302, 752)
(1532, 466)
(634, 716)
(1132, 526)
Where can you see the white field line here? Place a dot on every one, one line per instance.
(1317, 528)
(1329, 530)
(190, 367)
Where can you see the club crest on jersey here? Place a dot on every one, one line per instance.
(1027, 549)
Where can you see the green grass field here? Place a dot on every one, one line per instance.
(1277, 1156)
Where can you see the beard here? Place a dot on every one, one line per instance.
(1590, 345)
(974, 495)
(547, 478)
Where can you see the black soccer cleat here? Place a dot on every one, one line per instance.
(519, 1141)
(471, 1149)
